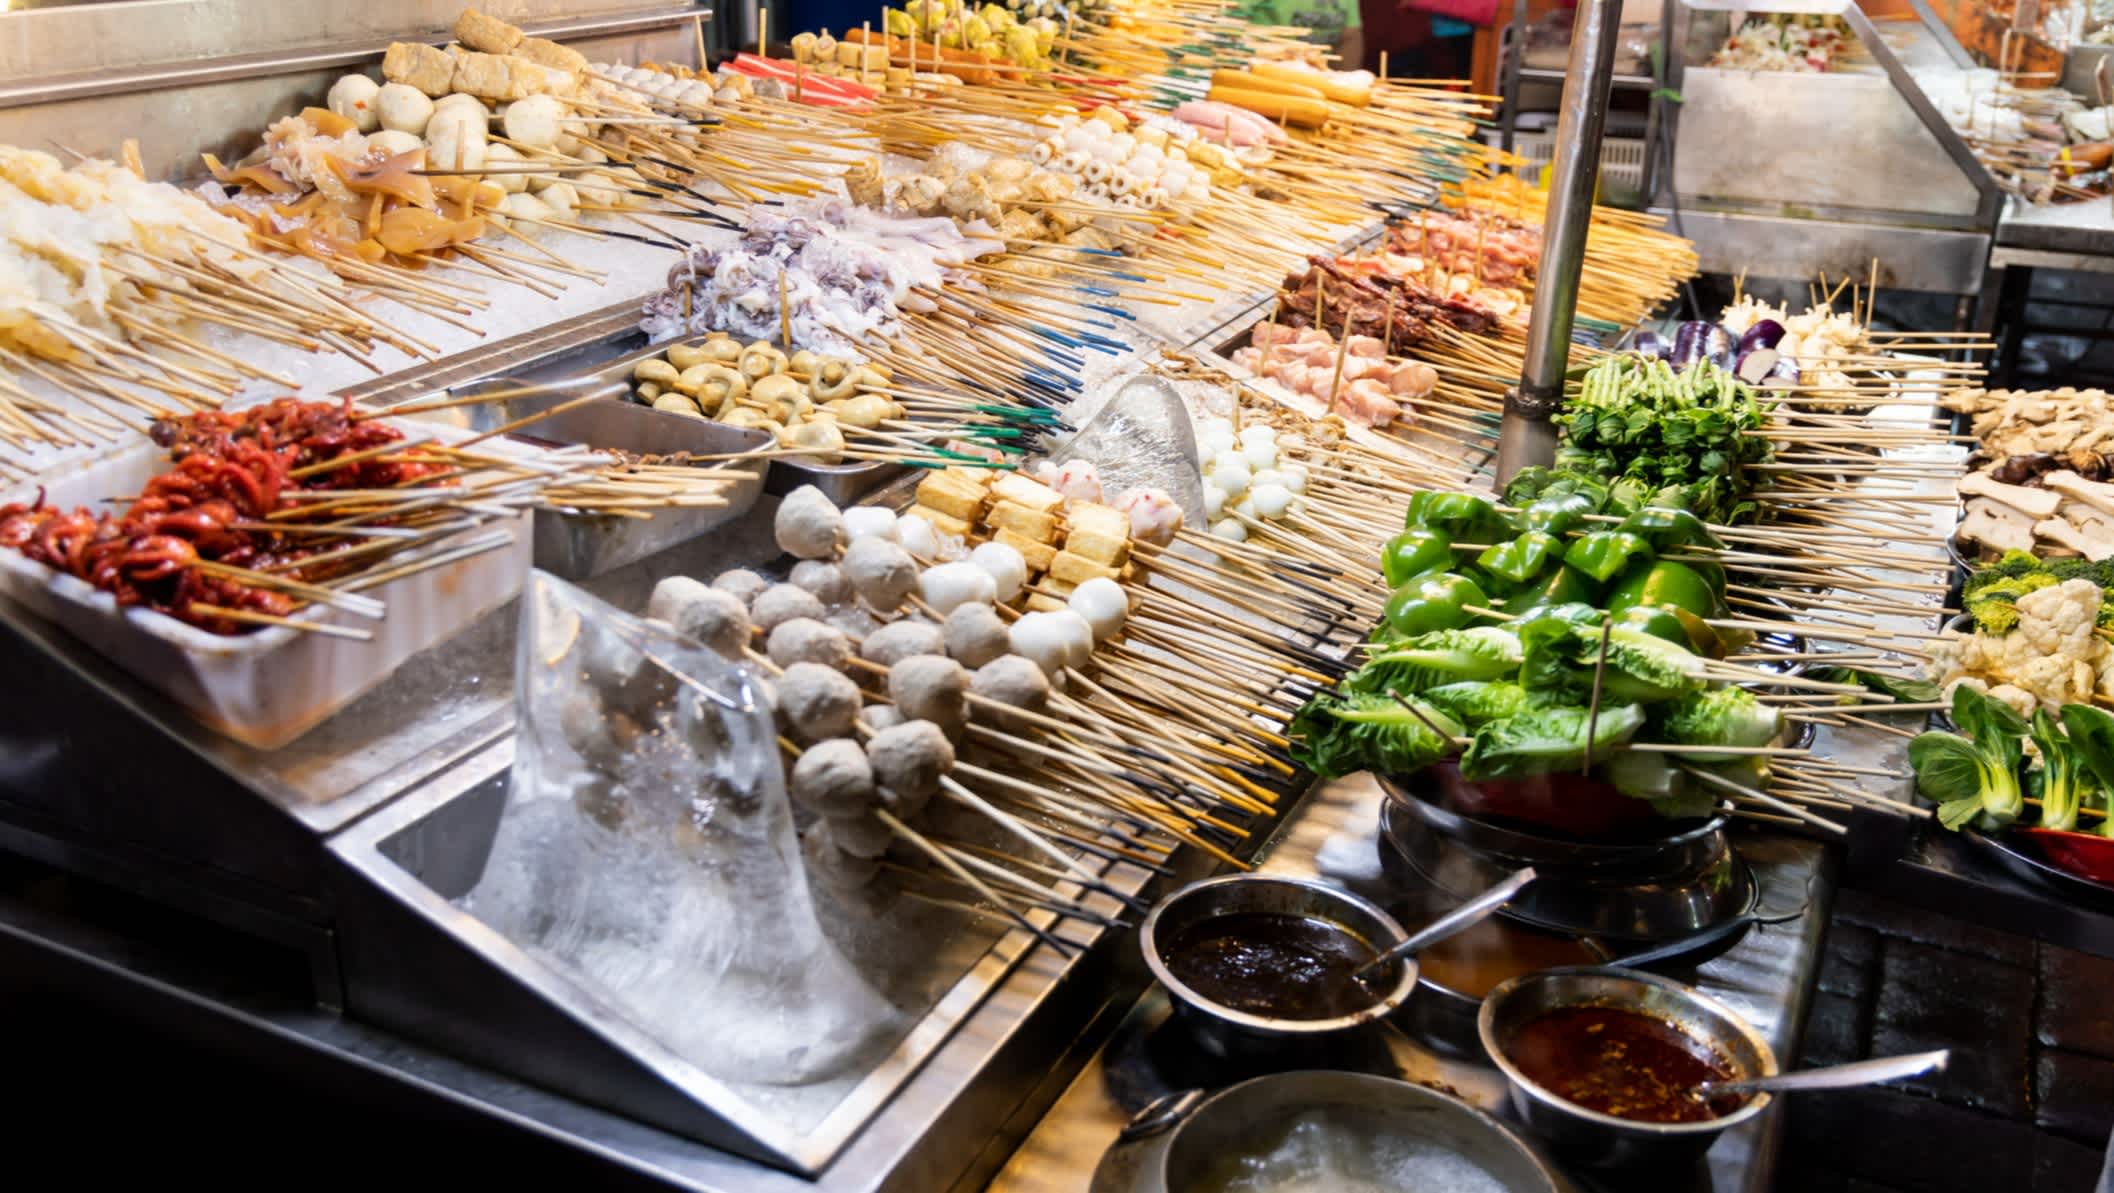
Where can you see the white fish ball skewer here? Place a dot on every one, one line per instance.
(947, 585)
(1006, 566)
(1104, 605)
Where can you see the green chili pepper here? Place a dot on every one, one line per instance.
(1433, 602)
(1521, 560)
(1414, 552)
(1603, 553)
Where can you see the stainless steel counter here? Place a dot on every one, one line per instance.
(1768, 977)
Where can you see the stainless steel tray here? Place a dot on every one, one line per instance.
(577, 545)
(417, 962)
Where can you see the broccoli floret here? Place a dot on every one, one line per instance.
(1994, 605)
(2013, 565)
(2101, 573)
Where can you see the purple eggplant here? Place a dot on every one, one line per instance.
(1755, 364)
(1719, 347)
(1766, 333)
(1782, 375)
(1648, 343)
(1688, 343)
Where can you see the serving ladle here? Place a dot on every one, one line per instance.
(1856, 1073)
(1461, 918)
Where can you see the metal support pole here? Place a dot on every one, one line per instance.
(1508, 83)
(1526, 437)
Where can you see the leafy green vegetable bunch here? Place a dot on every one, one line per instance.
(1992, 593)
(1636, 418)
(1983, 777)
(1595, 646)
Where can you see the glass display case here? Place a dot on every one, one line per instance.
(1812, 143)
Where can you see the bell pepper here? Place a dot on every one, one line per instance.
(1604, 553)
(1557, 515)
(1665, 584)
(1666, 529)
(1521, 560)
(1414, 552)
(1564, 585)
(1658, 622)
(1462, 515)
(1433, 602)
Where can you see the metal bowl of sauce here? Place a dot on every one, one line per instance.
(1256, 962)
(1602, 1063)
(1455, 974)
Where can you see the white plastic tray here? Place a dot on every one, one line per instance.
(267, 687)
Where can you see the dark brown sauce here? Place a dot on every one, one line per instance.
(1484, 955)
(1622, 1063)
(1281, 966)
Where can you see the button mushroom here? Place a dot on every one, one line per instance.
(760, 360)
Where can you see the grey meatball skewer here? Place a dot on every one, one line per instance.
(931, 687)
(742, 583)
(832, 862)
(713, 616)
(975, 634)
(883, 572)
(808, 524)
(1011, 681)
(781, 603)
(860, 836)
(881, 716)
(816, 702)
(805, 640)
(833, 778)
(908, 761)
(898, 640)
(823, 578)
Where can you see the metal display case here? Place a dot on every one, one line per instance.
(1790, 175)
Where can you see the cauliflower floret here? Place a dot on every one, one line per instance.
(1971, 682)
(2021, 701)
(2060, 620)
(2049, 678)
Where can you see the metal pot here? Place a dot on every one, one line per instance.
(1695, 881)
(1193, 1143)
(1223, 1031)
(1601, 1140)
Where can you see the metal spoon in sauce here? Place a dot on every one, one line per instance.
(1863, 1072)
(1461, 918)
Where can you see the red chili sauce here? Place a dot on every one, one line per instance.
(1622, 1063)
